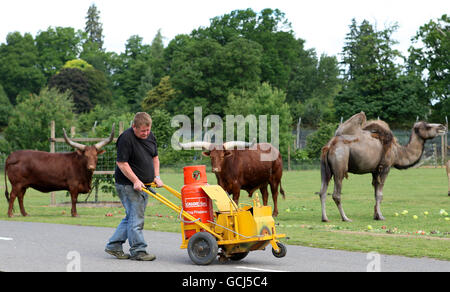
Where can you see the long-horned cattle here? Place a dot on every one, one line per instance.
(48, 172)
(247, 166)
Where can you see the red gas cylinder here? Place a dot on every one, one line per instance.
(194, 200)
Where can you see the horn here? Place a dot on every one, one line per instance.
(239, 144)
(189, 145)
(73, 144)
(106, 141)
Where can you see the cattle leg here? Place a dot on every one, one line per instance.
(337, 197)
(12, 197)
(236, 192)
(264, 194)
(74, 197)
(21, 194)
(274, 190)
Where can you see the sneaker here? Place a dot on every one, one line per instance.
(143, 256)
(118, 254)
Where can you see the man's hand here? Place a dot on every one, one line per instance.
(138, 185)
(159, 182)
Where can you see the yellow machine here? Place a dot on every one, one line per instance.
(235, 230)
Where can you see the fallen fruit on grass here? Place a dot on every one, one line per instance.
(447, 218)
(425, 213)
(108, 214)
(369, 227)
(415, 217)
(396, 214)
(404, 212)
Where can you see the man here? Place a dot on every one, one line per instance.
(137, 164)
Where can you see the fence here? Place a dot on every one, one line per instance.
(435, 150)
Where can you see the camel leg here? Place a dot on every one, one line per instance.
(378, 184)
(337, 197)
(323, 198)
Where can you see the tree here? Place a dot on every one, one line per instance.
(94, 28)
(19, 70)
(29, 124)
(98, 90)
(432, 61)
(205, 72)
(158, 97)
(134, 76)
(5, 108)
(56, 46)
(373, 82)
(74, 81)
(264, 101)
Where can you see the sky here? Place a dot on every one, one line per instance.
(323, 24)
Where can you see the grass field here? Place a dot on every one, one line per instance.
(415, 190)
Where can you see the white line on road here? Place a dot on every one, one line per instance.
(258, 269)
(5, 238)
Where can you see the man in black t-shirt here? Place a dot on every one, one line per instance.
(137, 164)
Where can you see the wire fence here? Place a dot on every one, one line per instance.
(103, 190)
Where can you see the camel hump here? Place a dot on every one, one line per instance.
(380, 130)
(352, 126)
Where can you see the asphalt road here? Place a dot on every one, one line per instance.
(44, 247)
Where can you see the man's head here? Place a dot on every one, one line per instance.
(142, 125)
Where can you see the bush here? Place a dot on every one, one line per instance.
(315, 141)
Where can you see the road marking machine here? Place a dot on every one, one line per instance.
(234, 230)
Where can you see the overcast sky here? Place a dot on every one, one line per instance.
(323, 24)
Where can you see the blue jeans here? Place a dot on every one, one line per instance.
(132, 225)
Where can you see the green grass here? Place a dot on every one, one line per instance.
(414, 190)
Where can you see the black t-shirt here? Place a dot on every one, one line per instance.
(139, 154)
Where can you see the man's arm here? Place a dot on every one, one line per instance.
(128, 172)
(158, 181)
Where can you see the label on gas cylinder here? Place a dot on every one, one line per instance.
(195, 202)
(196, 206)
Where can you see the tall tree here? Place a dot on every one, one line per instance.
(56, 46)
(94, 28)
(431, 61)
(373, 81)
(19, 69)
(29, 123)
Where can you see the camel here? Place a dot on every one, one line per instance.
(370, 149)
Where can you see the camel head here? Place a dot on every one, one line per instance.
(429, 131)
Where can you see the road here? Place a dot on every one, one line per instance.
(40, 247)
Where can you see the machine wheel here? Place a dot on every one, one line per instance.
(282, 252)
(202, 248)
(238, 256)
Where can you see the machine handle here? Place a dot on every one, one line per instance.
(150, 189)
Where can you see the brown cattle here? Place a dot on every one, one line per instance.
(240, 165)
(48, 172)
